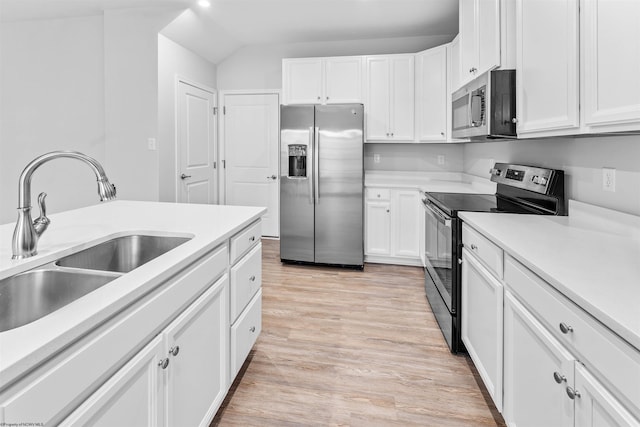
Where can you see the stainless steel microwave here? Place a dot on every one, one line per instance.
(485, 108)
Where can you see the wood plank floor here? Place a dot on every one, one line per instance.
(352, 348)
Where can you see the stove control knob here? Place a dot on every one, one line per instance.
(540, 180)
(494, 171)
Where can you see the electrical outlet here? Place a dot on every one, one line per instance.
(440, 159)
(609, 179)
(376, 158)
(151, 144)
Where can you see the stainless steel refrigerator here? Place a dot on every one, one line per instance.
(322, 184)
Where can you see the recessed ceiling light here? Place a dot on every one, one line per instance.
(204, 3)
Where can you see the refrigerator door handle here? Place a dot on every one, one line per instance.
(310, 169)
(316, 166)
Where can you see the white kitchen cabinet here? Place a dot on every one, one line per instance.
(547, 67)
(480, 31)
(393, 225)
(481, 314)
(378, 227)
(532, 360)
(389, 98)
(196, 344)
(432, 95)
(329, 80)
(454, 67)
(132, 397)
(180, 378)
(610, 61)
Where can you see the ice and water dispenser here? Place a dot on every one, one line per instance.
(297, 161)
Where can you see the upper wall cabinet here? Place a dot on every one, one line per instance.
(547, 67)
(485, 36)
(322, 80)
(572, 76)
(389, 104)
(454, 64)
(610, 64)
(432, 95)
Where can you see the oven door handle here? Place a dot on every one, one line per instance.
(441, 216)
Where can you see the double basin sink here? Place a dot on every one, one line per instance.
(28, 296)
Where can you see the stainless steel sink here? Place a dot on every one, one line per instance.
(122, 254)
(29, 296)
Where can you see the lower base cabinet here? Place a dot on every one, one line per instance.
(179, 379)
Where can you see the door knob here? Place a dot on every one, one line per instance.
(273, 177)
(183, 176)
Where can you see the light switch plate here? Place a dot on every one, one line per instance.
(440, 159)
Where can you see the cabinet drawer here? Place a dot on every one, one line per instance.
(244, 240)
(487, 252)
(378, 194)
(615, 362)
(244, 333)
(246, 279)
(102, 354)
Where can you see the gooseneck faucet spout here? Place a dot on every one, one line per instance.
(27, 232)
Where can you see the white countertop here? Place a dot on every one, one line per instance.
(591, 256)
(24, 347)
(440, 182)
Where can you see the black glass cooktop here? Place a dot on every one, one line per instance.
(452, 203)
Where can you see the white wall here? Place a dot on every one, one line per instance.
(414, 157)
(582, 159)
(52, 98)
(131, 99)
(260, 66)
(174, 61)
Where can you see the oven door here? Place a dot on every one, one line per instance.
(438, 254)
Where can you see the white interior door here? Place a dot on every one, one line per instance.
(251, 136)
(196, 180)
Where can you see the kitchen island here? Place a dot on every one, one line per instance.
(80, 352)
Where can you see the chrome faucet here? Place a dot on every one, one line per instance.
(27, 232)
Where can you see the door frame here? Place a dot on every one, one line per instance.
(222, 193)
(176, 146)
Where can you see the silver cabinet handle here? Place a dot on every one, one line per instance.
(378, 196)
(559, 378)
(252, 238)
(272, 177)
(252, 329)
(319, 98)
(183, 176)
(327, 98)
(565, 329)
(473, 247)
(252, 278)
(572, 393)
(441, 133)
(174, 350)
(387, 210)
(163, 363)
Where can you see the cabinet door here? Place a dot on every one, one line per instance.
(611, 87)
(197, 344)
(378, 224)
(302, 81)
(432, 99)
(547, 67)
(454, 69)
(378, 98)
(468, 40)
(488, 22)
(481, 314)
(402, 108)
(532, 397)
(343, 80)
(405, 217)
(595, 406)
(132, 397)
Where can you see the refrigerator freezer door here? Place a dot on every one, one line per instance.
(296, 195)
(339, 188)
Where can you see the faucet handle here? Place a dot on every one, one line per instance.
(42, 222)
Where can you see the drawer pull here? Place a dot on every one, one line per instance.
(565, 329)
(473, 247)
(252, 329)
(252, 278)
(174, 350)
(572, 393)
(163, 363)
(252, 238)
(559, 377)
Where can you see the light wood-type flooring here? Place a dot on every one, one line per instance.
(352, 348)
